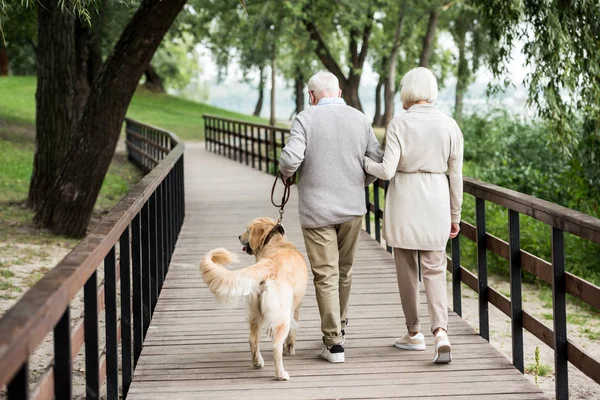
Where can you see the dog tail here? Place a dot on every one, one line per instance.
(229, 287)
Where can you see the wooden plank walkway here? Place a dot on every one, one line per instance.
(194, 350)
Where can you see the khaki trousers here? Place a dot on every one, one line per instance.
(433, 270)
(331, 253)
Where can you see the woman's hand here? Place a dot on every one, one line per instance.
(454, 229)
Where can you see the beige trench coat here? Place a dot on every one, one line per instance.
(424, 159)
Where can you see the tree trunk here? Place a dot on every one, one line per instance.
(390, 84)
(462, 76)
(273, 74)
(3, 61)
(427, 48)
(70, 200)
(350, 92)
(378, 117)
(261, 93)
(153, 80)
(299, 88)
(55, 98)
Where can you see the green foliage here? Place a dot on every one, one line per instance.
(176, 61)
(537, 368)
(516, 154)
(561, 42)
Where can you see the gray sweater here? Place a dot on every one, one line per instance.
(326, 146)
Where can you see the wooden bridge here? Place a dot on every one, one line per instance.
(177, 343)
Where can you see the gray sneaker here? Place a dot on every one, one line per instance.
(407, 342)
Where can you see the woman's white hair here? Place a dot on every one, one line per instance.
(323, 82)
(417, 85)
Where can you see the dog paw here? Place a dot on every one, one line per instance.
(284, 376)
(289, 350)
(259, 362)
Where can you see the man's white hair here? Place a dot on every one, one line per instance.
(417, 85)
(323, 82)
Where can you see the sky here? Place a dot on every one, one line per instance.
(232, 94)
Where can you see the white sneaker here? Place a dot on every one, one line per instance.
(407, 342)
(443, 349)
(334, 354)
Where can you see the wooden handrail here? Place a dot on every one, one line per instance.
(27, 323)
(568, 220)
(254, 124)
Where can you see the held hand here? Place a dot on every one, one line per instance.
(454, 229)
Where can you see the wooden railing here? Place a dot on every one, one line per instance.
(244, 141)
(134, 243)
(257, 145)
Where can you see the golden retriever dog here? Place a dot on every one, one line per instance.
(273, 287)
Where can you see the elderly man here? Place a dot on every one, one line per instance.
(327, 145)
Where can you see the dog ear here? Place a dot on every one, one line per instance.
(257, 236)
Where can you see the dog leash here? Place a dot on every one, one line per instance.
(287, 190)
(287, 185)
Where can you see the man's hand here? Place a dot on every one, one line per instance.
(285, 179)
(454, 229)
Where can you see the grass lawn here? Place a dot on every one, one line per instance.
(26, 253)
(182, 117)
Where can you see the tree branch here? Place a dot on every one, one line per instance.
(364, 47)
(323, 52)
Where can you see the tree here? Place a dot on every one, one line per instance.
(261, 91)
(228, 37)
(390, 83)
(18, 49)
(429, 38)
(470, 39)
(77, 130)
(353, 21)
(561, 41)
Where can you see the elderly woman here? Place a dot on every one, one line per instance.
(423, 158)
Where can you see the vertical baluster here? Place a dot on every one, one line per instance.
(182, 190)
(515, 290)
(165, 229)
(246, 143)
(275, 163)
(206, 134)
(146, 291)
(484, 329)
(377, 211)
(253, 142)
(240, 148)
(136, 274)
(368, 214)
(110, 301)
(18, 387)
(267, 157)
(456, 277)
(219, 135)
(560, 315)
(63, 383)
(211, 128)
(228, 130)
(159, 237)
(259, 149)
(125, 280)
(153, 252)
(90, 329)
